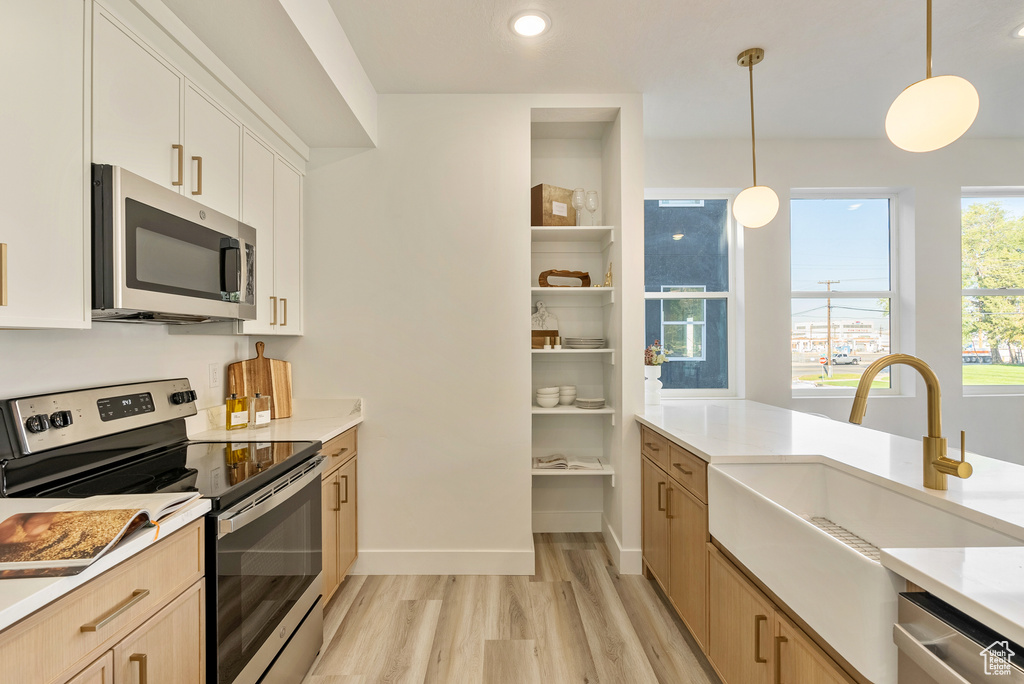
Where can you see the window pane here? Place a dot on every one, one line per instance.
(860, 335)
(683, 310)
(992, 242)
(993, 340)
(842, 240)
(697, 354)
(686, 244)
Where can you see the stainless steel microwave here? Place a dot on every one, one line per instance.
(160, 257)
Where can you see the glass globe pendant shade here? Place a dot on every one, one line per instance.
(932, 113)
(755, 206)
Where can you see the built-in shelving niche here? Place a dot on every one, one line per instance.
(570, 149)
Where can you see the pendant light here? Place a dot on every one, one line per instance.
(932, 113)
(758, 204)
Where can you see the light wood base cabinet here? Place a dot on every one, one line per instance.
(167, 649)
(655, 523)
(340, 512)
(100, 672)
(799, 659)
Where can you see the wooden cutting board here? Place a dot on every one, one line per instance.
(269, 377)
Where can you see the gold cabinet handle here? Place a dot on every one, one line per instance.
(3, 274)
(273, 307)
(284, 303)
(140, 658)
(337, 487)
(651, 446)
(758, 619)
(779, 640)
(660, 485)
(668, 504)
(199, 175)
(343, 450)
(345, 478)
(181, 165)
(136, 597)
(683, 470)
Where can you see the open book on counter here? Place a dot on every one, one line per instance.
(66, 539)
(562, 462)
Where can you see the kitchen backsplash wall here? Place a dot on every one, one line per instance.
(45, 360)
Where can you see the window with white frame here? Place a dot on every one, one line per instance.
(992, 299)
(690, 287)
(843, 307)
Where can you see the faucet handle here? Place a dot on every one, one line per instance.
(961, 468)
(963, 446)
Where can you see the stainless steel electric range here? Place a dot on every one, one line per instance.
(263, 535)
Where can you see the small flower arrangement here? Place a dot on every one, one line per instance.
(654, 355)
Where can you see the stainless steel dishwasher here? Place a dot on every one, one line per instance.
(938, 644)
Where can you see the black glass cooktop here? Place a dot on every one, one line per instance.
(224, 472)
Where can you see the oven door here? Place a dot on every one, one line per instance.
(160, 252)
(267, 557)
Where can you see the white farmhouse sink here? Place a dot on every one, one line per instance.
(761, 513)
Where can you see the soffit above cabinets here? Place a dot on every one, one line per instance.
(835, 67)
(294, 55)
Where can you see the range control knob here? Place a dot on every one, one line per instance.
(39, 423)
(61, 419)
(183, 397)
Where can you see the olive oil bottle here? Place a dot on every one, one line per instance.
(237, 412)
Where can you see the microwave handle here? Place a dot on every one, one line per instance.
(230, 266)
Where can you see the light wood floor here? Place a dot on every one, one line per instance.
(576, 620)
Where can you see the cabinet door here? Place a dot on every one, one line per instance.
(331, 495)
(655, 522)
(43, 272)
(212, 154)
(258, 212)
(168, 648)
(100, 672)
(688, 537)
(136, 106)
(348, 518)
(799, 660)
(288, 247)
(740, 628)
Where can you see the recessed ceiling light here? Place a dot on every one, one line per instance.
(678, 236)
(531, 23)
(1019, 32)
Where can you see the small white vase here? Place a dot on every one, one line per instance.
(652, 385)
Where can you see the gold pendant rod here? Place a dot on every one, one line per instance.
(753, 148)
(928, 71)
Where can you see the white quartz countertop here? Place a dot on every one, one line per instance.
(735, 430)
(986, 583)
(21, 597)
(312, 420)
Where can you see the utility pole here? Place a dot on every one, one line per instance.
(828, 324)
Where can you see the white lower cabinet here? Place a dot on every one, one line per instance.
(44, 230)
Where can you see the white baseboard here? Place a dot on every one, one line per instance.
(567, 521)
(412, 562)
(628, 561)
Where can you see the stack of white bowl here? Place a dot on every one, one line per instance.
(547, 397)
(567, 395)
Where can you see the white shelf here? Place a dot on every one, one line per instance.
(605, 471)
(603, 234)
(573, 351)
(605, 294)
(572, 411)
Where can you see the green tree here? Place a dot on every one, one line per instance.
(992, 250)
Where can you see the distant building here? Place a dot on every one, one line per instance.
(847, 336)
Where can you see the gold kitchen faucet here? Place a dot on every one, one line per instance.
(936, 465)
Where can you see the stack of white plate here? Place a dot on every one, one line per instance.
(567, 395)
(583, 342)
(547, 397)
(590, 403)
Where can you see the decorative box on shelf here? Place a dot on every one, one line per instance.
(551, 206)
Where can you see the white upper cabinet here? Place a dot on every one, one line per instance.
(212, 153)
(288, 247)
(258, 211)
(44, 225)
(136, 107)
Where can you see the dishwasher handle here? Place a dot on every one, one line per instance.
(926, 659)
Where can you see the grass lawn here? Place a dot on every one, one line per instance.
(847, 380)
(999, 374)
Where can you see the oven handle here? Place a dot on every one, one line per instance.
(232, 521)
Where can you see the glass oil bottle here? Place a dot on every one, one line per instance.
(237, 412)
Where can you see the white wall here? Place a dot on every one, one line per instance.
(417, 267)
(930, 288)
(39, 361)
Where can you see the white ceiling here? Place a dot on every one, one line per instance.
(831, 68)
